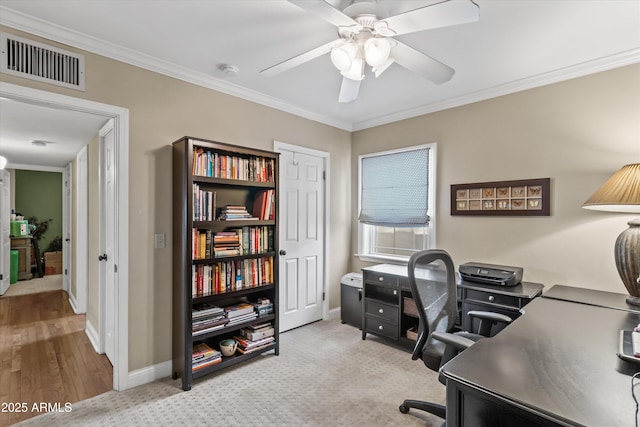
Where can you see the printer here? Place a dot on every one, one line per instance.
(491, 274)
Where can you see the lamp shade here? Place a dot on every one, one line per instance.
(621, 193)
(342, 57)
(376, 51)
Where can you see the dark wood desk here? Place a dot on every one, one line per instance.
(555, 365)
(591, 297)
(386, 291)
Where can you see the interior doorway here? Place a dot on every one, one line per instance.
(303, 207)
(120, 117)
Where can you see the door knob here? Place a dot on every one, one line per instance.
(283, 252)
(102, 257)
(67, 239)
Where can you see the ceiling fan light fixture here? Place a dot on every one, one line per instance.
(376, 51)
(342, 56)
(356, 72)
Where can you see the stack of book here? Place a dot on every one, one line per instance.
(203, 356)
(234, 212)
(226, 243)
(263, 307)
(239, 313)
(206, 318)
(245, 345)
(257, 332)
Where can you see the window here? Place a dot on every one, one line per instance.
(396, 203)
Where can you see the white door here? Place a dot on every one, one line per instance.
(5, 232)
(66, 228)
(107, 239)
(301, 239)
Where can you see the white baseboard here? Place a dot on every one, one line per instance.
(93, 336)
(334, 313)
(149, 374)
(72, 302)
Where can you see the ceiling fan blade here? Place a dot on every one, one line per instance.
(451, 12)
(349, 90)
(325, 11)
(300, 59)
(421, 64)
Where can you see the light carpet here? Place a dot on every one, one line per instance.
(32, 286)
(325, 375)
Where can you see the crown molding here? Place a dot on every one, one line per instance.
(41, 28)
(567, 73)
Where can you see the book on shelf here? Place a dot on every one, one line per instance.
(230, 212)
(247, 345)
(203, 356)
(227, 276)
(238, 309)
(204, 204)
(205, 310)
(220, 165)
(241, 319)
(264, 205)
(253, 349)
(257, 334)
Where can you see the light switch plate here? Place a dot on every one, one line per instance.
(159, 241)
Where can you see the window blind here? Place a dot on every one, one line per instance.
(394, 189)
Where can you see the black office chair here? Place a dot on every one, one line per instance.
(438, 310)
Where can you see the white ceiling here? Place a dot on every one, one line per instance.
(516, 45)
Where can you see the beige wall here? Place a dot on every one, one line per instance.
(161, 110)
(577, 132)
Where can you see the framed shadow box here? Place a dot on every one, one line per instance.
(526, 197)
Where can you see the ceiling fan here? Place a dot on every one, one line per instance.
(365, 39)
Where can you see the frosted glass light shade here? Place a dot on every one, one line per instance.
(356, 72)
(621, 193)
(342, 57)
(376, 51)
(3, 162)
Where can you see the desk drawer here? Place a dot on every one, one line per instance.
(493, 298)
(382, 310)
(380, 327)
(381, 278)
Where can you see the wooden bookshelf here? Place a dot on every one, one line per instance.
(219, 263)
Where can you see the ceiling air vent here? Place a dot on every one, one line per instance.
(37, 61)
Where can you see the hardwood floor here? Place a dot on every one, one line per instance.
(46, 357)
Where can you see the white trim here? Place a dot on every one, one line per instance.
(150, 373)
(73, 303)
(334, 313)
(121, 119)
(278, 146)
(38, 168)
(45, 29)
(67, 219)
(92, 334)
(81, 238)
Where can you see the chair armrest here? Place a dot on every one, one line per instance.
(458, 342)
(488, 315)
(487, 320)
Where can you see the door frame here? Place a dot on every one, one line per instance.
(278, 147)
(67, 220)
(120, 117)
(81, 237)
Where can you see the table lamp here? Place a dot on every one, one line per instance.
(621, 193)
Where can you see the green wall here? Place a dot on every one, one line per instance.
(39, 194)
